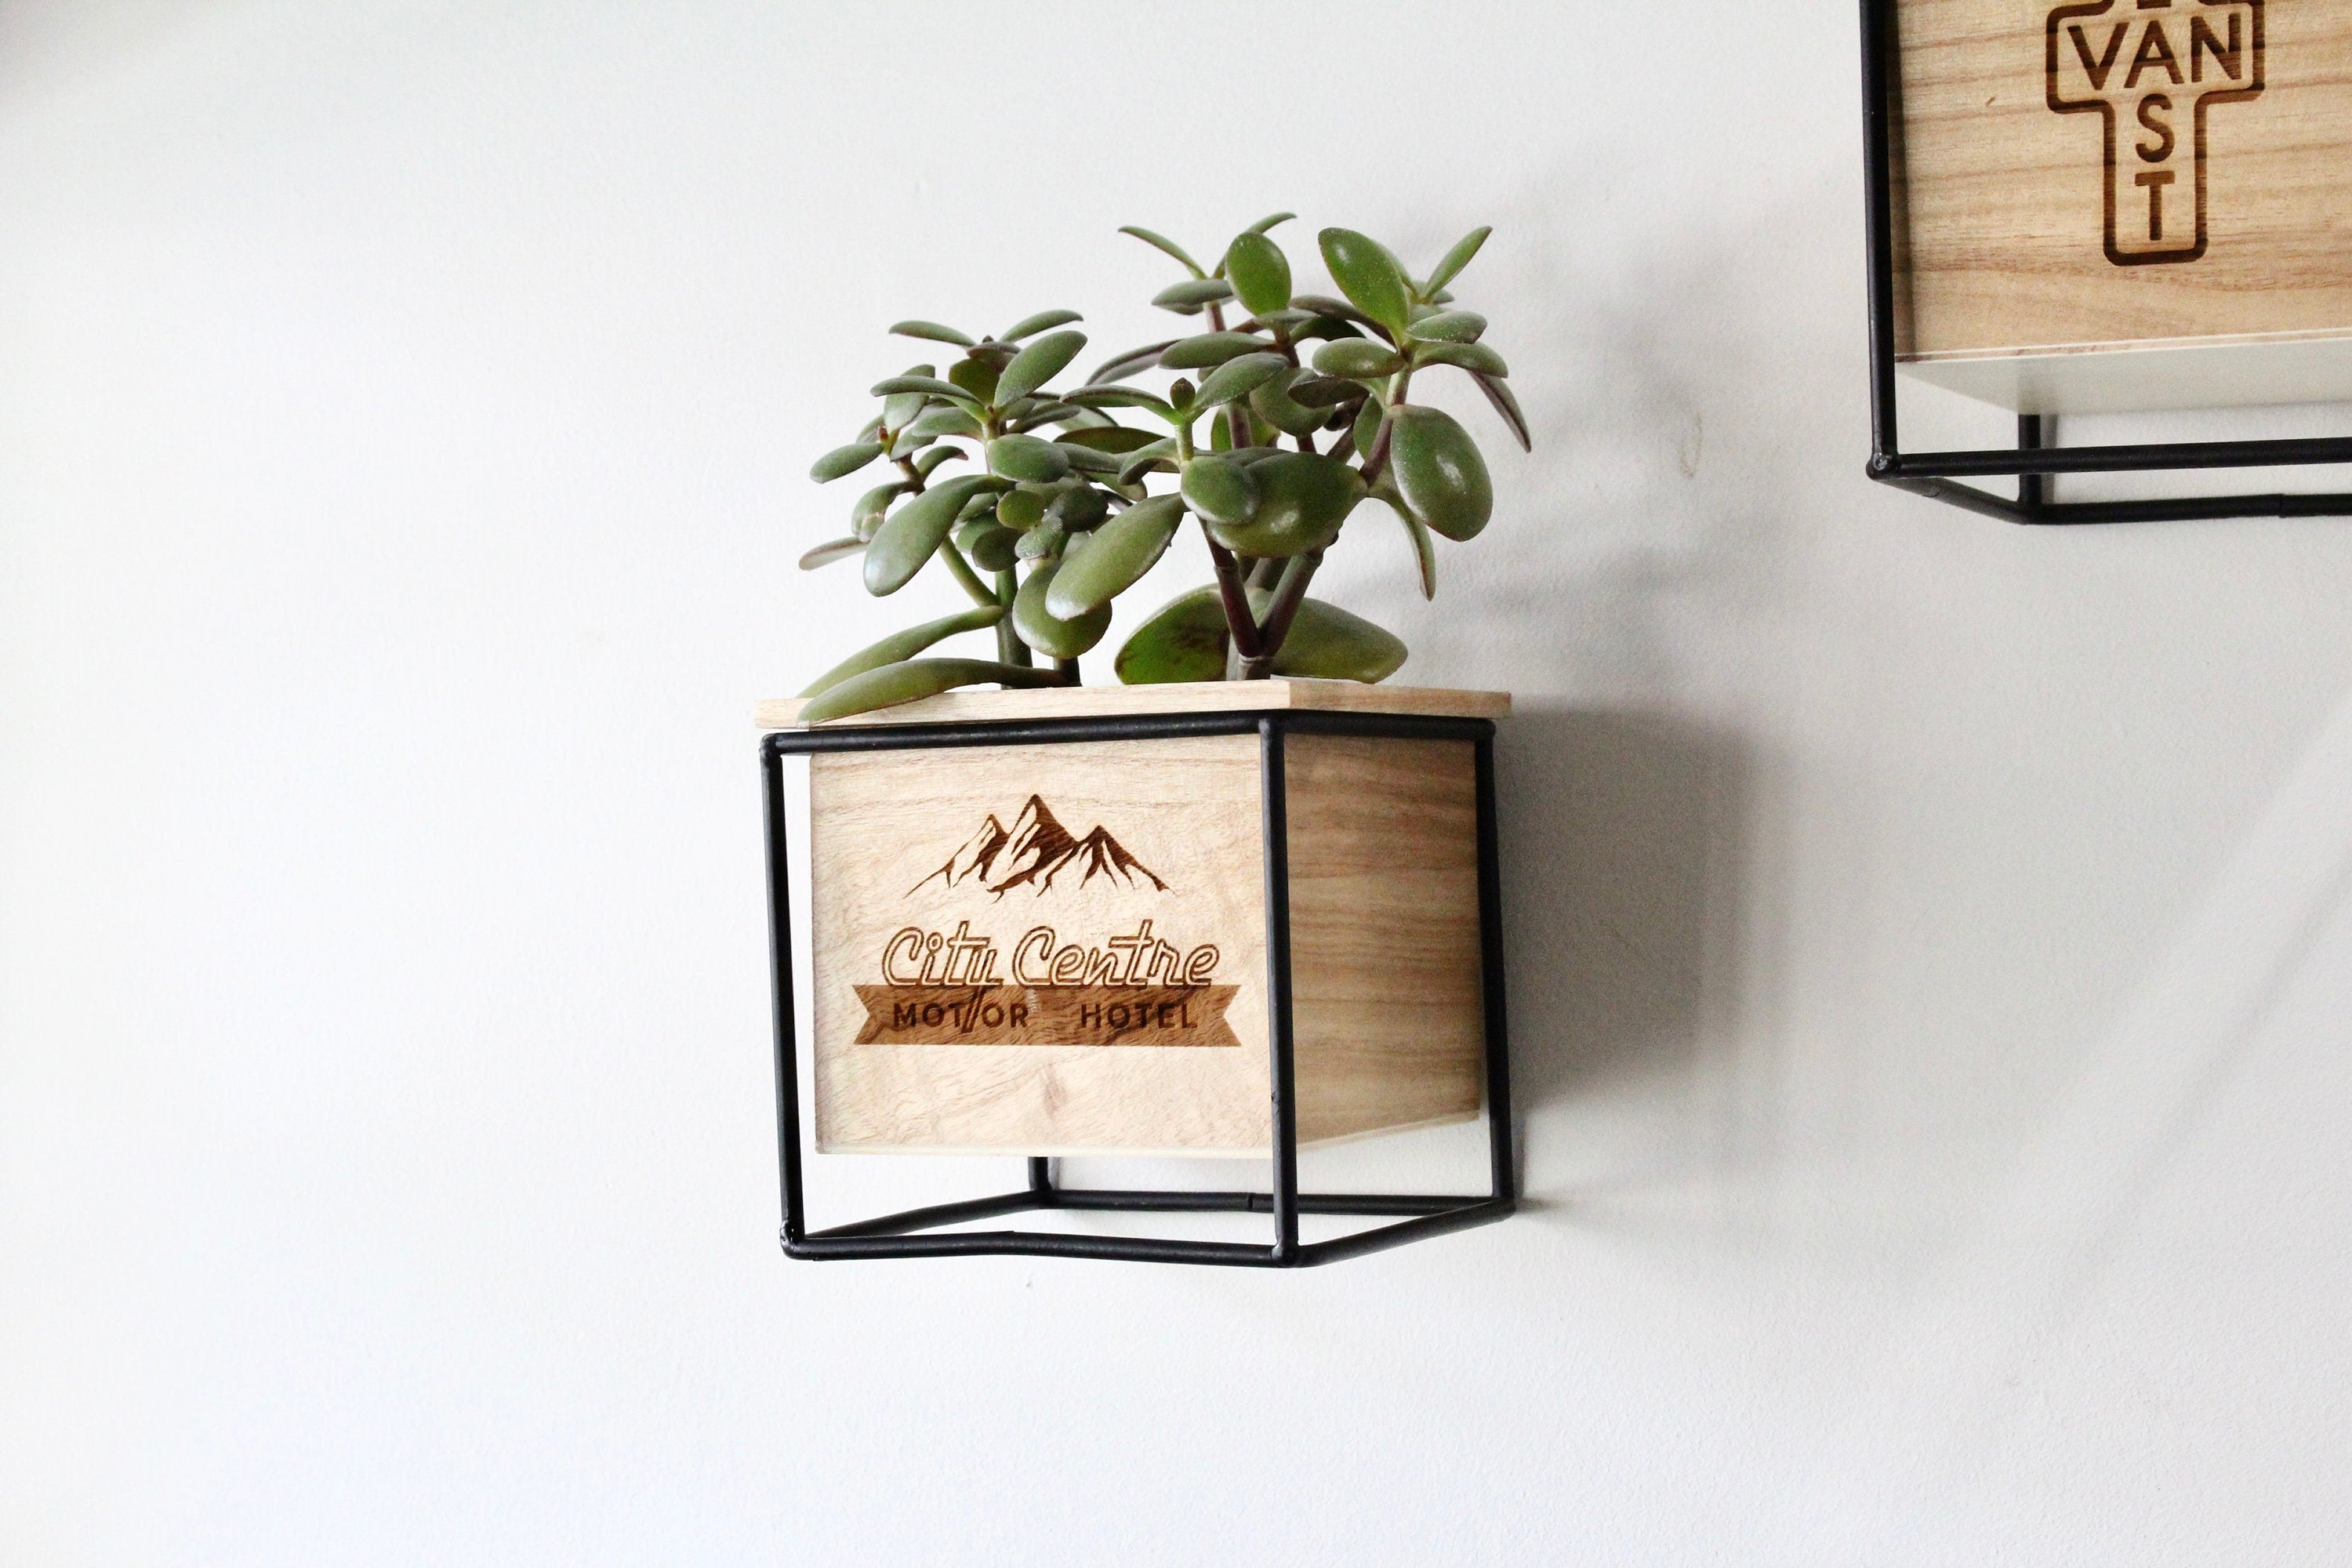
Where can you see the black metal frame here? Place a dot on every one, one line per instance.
(1424, 1215)
(2035, 463)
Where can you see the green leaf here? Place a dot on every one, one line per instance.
(1038, 363)
(1162, 243)
(1079, 507)
(868, 514)
(1220, 489)
(1187, 298)
(844, 460)
(1088, 460)
(1028, 458)
(1035, 412)
(932, 330)
(1271, 401)
(1450, 327)
(1424, 552)
(904, 644)
(1239, 376)
(1323, 305)
(1129, 362)
(892, 684)
(1258, 271)
(928, 461)
(1456, 260)
(1020, 510)
(1302, 499)
(1476, 357)
(1111, 438)
(1327, 643)
(1159, 455)
(1184, 639)
(1506, 403)
(1324, 391)
(830, 551)
(977, 377)
(929, 385)
(1042, 542)
(1120, 397)
(1269, 221)
(1369, 276)
(1206, 349)
(1367, 427)
(1038, 323)
(1118, 554)
(911, 535)
(1358, 359)
(1439, 472)
(1057, 637)
(992, 547)
(945, 420)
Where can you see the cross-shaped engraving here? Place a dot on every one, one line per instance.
(2146, 66)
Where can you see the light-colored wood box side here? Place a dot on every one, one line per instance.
(881, 825)
(1386, 992)
(2002, 196)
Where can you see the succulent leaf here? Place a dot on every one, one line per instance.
(892, 684)
(1439, 472)
(1184, 639)
(904, 644)
(1369, 276)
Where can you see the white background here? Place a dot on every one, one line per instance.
(1929, 940)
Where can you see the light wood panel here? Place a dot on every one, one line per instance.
(2017, 142)
(885, 824)
(1061, 949)
(987, 703)
(1384, 933)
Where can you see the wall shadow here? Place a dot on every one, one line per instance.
(1625, 863)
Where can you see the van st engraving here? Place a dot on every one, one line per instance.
(2150, 69)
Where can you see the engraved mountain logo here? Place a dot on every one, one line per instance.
(1120, 978)
(2150, 69)
(1033, 852)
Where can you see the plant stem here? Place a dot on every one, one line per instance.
(1287, 597)
(1070, 668)
(1378, 457)
(1010, 648)
(1238, 619)
(963, 573)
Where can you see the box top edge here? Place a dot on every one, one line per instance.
(1185, 697)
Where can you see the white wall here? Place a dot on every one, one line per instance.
(1930, 947)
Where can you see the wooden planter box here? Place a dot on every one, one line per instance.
(2124, 204)
(1050, 946)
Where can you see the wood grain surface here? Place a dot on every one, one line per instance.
(944, 880)
(882, 823)
(2004, 244)
(1384, 933)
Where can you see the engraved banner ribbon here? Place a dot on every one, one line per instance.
(1046, 1016)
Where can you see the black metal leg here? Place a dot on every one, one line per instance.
(2033, 489)
(1282, 1066)
(780, 954)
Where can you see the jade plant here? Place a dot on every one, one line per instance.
(1276, 429)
